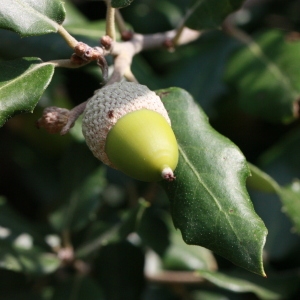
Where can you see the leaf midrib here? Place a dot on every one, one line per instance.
(23, 75)
(212, 196)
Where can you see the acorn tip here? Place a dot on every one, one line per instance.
(167, 174)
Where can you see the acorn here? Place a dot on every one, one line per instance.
(127, 127)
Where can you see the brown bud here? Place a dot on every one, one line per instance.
(126, 35)
(169, 45)
(106, 41)
(80, 48)
(77, 60)
(91, 54)
(53, 119)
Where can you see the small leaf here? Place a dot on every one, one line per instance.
(290, 198)
(22, 82)
(261, 181)
(27, 17)
(238, 284)
(284, 161)
(204, 14)
(265, 73)
(209, 201)
(120, 3)
(289, 195)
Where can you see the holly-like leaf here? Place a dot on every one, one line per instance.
(22, 82)
(265, 73)
(120, 3)
(209, 200)
(202, 14)
(30, 17)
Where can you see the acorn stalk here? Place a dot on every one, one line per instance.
(127, 127)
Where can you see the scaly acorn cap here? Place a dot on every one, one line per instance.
(113, 102)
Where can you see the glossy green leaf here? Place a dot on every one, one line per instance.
(22, 82)
(202, 14)
(262, 288)
(209, 200)
(265, 73)
(30, 17)
(120, 3)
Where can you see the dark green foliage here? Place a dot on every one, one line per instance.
(72, 228)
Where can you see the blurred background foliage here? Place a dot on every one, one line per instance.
(70, 228)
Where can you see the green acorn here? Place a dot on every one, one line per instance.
(127, 127)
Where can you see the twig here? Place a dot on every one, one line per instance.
(110, 21)
(67, 63)
(129, 76)
(171, 277)
(120, 22)
(71, 41)
(125, 51)
(73, 116)
(179, 32)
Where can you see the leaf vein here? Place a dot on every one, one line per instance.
(198, 177)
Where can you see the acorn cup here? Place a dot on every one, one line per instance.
(127, 127)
